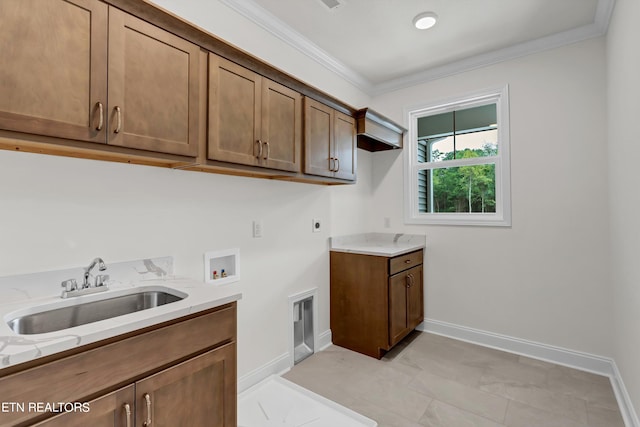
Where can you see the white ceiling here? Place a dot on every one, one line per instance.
(373, 44)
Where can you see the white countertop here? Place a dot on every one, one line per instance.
(15, 349)
(379, 244)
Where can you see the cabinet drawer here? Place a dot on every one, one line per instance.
(98, 370)
(403, 262)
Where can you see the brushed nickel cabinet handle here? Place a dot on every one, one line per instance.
(266, 156)
(147, 398)
(118, 119)
(408, 280)
(338, 165)
(127, 411)
(332, 166)
(101, 114)
(259, 149)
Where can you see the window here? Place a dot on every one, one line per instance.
(457, 161)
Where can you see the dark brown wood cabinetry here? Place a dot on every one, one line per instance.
(375, 300)
(112, 410)
(122, 80)
(153, 88)
(182, 372)
(252, 120)
(83, 70)
(329, 143)
(53, 77)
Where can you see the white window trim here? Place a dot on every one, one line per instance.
(502, 216)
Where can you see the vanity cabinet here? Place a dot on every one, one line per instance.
(253, 121)
(111, 410)
(181, 372)
(375, 301)
(329, 142)
(86, 71)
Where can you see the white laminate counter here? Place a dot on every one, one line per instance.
(15, 349)
(378, 244)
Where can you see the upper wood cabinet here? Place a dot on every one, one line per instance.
(252, 120)
(329, 142)
(57, 76)
(53, 78)
(153, 87)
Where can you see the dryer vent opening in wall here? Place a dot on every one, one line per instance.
(303, 337)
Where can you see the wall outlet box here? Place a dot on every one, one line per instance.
(316, 225)
(257, 228)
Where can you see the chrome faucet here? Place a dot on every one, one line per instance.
(87, 271)
(70, 288)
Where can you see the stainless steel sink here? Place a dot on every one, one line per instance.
(57, 319)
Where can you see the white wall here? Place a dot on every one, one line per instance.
(623, 68)
(61, 212)
(546, 278)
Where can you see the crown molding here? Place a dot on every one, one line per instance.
(263, 18)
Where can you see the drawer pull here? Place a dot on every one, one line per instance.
(407, 261)
(259, 149)
(266, 156)
(147, 398)
(127, 411)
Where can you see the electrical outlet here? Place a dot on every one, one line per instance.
(316, 225)
(257, 228)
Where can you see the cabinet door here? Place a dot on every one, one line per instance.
(415, 298)
(398, 326)
(345, 147)
(281, 127)
(318, 138)
(53, 77)
(234, 112)
(198, 392)
(153, 87)
(110, 410)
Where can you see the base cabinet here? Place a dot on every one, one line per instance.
(191, 393)
(375, 301)
(177, 374)
(405, 303)
(113, 409)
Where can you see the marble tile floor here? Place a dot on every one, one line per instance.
(430, 380)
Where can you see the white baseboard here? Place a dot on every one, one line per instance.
(558, 355)
(279, 365)
(624, 400)
(324, 340)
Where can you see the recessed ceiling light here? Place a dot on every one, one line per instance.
(425, 20)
